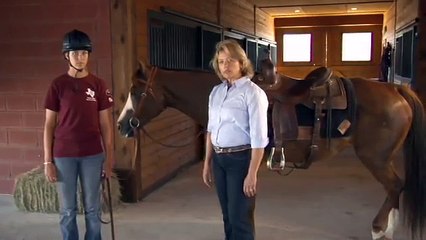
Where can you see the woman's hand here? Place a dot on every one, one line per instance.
(250, 183)
(207, 174)
(107, 169)
(50, 172)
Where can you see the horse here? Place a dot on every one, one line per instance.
(388, 117)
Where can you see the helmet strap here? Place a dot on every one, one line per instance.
(79, 70)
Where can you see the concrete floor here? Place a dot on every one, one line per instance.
(333, 200)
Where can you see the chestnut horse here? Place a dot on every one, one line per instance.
(388, 117)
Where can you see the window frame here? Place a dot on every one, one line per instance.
(310, 49)
(357, 61)
(280, 54)
(399, 57)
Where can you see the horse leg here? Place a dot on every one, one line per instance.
(378, 161)
(382, 125)
(386, 220)
(375, 152)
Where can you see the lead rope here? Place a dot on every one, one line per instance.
(172, 146)
(111, 215)
(106, 195)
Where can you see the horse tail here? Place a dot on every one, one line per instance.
(414, 201)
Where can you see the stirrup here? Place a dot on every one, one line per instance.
(276, 165)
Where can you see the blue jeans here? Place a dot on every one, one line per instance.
(88, 169)
(230, 170)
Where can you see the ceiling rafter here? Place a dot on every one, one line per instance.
(322, 8)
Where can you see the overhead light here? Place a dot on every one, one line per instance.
(354, 8)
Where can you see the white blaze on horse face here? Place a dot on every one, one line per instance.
(128, 106)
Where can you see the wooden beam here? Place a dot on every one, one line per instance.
(123, 66)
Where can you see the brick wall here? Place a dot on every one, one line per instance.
(30, 42)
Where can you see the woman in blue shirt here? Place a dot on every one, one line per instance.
(236, 137)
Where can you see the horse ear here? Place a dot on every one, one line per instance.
(141, 66)
(142, 70)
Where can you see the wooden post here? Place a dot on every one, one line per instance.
(124, 64)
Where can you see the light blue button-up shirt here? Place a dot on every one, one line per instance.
(238, 116)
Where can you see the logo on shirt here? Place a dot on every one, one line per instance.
(109, 95)
(90, 95)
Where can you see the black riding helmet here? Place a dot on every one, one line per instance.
(76, 40)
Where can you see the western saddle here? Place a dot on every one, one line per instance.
(318, 91)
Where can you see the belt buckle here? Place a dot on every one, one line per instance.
(217, 149)
(220, 150)
(226, 150)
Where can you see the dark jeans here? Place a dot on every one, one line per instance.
(230, 170)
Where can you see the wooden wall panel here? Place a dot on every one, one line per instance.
(389, 26)
(160, 163)
(219, 12)
(238, 14)
(327, 31)
(264, 25)
(328, 20)
(407, 11)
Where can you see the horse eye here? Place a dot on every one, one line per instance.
(134, 91)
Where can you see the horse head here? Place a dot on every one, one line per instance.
(145, 101)
(268, 73)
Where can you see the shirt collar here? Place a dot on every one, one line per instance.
(239, 82)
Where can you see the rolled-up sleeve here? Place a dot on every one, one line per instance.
(258, 119)
(209, 122)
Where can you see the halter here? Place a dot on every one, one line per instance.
(134, 121)
(138, 111)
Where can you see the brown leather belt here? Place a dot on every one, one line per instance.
(220, 150)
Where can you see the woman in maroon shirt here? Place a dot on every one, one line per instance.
(78, 137)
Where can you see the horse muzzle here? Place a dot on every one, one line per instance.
(125, 130)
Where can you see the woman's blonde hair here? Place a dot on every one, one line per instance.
(236, 52)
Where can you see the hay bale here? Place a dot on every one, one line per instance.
(33, 193)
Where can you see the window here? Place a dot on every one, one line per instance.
(404, 54)
(356, 46)
(297, 47)
(178, 43)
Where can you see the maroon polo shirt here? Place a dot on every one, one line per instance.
(78, 102)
